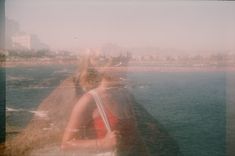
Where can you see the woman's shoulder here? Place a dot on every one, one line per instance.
(85, 97)
(86, 100)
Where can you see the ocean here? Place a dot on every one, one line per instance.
(26, 87)
(190, 105)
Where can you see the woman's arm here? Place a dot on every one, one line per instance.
(81, 114)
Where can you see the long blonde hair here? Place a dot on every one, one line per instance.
(88, 77)
(93, 68)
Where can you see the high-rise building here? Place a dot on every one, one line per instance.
(21, 42)
(25, 41)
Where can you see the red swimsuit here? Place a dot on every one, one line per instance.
(99, 124)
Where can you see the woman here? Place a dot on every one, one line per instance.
(86, 130)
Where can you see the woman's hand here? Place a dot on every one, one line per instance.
(110, 140)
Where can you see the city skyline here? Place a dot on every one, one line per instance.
(176, 26)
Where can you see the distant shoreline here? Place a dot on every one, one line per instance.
(31, 63)
(131, 68)
(179, 69)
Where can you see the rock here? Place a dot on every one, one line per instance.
(46, 130)
(43, 131)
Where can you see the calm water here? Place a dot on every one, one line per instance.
(191, 106)
(26, 87)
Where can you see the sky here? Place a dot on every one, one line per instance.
(71, 24)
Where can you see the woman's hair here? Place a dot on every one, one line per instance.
(88, 77)
(93, 68)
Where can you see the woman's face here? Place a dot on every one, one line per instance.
(89, 79)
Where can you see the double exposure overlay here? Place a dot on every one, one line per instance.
(117, 78)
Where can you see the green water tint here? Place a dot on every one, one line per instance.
(2, 104)
(191, 107)
(155, 136)
(27, 87)
(184, 113)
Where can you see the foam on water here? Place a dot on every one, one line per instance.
(62, 71)
(40, 114)
(17, 78)
(8, 109)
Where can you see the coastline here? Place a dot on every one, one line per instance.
(31, 63)
(160, 69)
(132, 67)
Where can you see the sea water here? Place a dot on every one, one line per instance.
(190, 105)
(27, 87)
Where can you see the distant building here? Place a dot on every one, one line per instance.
(27, 42)
(12, 28)
(21, 42)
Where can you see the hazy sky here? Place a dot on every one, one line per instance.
(71, 24)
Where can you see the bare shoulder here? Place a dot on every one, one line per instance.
(86, 97)
(85, 102)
